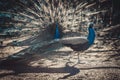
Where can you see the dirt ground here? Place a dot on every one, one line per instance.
(99, 62)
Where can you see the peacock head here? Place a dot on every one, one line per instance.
(91, 25)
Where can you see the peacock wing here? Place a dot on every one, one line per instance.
(74, 40)
(76, 43)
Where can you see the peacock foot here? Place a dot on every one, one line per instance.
(78, 62)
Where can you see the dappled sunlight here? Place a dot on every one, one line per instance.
(59, 40)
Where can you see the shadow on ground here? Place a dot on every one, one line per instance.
(19, 68)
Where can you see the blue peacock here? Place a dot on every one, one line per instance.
(78, 43)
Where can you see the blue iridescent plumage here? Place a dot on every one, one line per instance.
(57, 33)
(91, 34)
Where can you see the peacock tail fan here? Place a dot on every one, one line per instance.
(30, 17)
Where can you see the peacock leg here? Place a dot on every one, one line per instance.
(78, 58)
(70, 58)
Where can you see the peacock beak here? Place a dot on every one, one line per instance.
(91, 25)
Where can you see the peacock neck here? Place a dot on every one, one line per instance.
(57, 33)
(91, 36)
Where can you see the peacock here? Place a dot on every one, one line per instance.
(80, 43)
